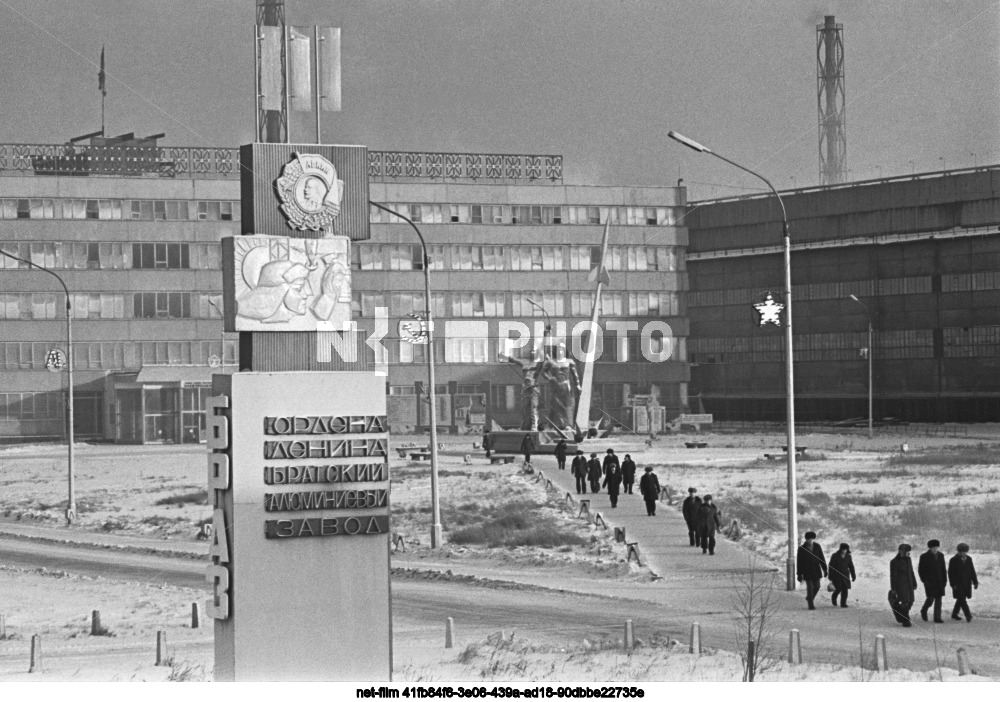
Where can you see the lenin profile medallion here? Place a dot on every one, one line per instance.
(310, 192)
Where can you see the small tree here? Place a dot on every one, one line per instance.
(754, 600)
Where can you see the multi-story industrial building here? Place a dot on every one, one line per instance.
(920, 253)
(134, 229)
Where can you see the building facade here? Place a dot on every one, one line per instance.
(134, 231)
(921, 256)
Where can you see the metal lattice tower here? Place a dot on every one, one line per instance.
(273, 123)
(831, 102)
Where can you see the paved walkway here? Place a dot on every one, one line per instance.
(701, 588)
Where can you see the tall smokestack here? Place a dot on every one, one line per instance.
(831, 102)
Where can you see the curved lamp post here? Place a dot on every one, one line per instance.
(548, 320)
(435, 498)
(793, 518)
(71, 501)
(871, 349)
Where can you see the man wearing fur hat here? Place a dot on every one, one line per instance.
(934, 576)
(962, 575)
(689, 510)
(810, 566)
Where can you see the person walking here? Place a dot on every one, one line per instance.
(649, 488)
(934, 576)
(902, 583)
(707, 523)
(842, 574)
(810, 566)
(610, 459)
(628, 474)
(612, 480)
(579, 468)
(560, 452)
(487, 442)
(527, 447)
(962, 576)
(594, 473)
(689, 510)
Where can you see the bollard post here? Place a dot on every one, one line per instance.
(794, 647)
(963, 662)
(882, 664)
(449, 632)
(751, 663)
(36, 654)
(695, 646)
(195, 617)
(629, 636)
(161, 648)
(95, 623)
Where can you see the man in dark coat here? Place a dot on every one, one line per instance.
(842, 574)
(707, 522)
(688, 510)
(527, 447)
(594, 473)
(610, 459)
(628, 474)
(560, 452)
(649, 488)
(934, 576)
(810, 566)
(962, 576)
(487, 442)
(612, 480)
(579, 468)
(902, 582)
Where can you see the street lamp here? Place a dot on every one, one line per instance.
(871, 349)
(71, 501)
(548, 320)
(222, 334)
(793, 518)
(435, 498)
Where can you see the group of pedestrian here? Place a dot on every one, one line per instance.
(960, 573)
(703, 520)
(617, 476)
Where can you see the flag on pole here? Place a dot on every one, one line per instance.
(329, 60)
(101, 76)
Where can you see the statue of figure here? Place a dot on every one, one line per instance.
(529, 391)
(560, 372)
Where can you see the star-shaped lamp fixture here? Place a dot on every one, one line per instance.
(769, 311)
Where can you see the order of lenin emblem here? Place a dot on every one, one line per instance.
(310, 192)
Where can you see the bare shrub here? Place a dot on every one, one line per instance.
(981, 455)
(192, 498)
(755, 603)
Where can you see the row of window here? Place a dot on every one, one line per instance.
(200, 305)
(523, 304)
(436, 213)
(151, 305)
(951, 342)
(863, 289)
(117, 355)
(31, 405)
(406, 257)
(112, 255)
(148, 210)
(609, 349)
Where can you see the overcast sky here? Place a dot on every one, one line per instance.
(598, 81)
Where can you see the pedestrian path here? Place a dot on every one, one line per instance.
(701, 587)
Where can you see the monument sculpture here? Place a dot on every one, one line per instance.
(561, 375)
